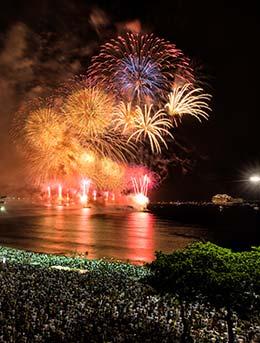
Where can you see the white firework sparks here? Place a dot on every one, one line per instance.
(187, 100)
(125, 114)
(154, 126)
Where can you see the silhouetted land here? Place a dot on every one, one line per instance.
(239, 222)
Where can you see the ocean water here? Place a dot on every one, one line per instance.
(118, 233)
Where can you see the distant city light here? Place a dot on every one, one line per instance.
(254, 179)
(2, 209)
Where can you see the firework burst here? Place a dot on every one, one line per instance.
(44, 129)
(140, 67)
(113, 145)
(111, 175)
(153, 126)
(188, 100)
(49, 165)
(88, 112)
(125, 114)
(84, 163)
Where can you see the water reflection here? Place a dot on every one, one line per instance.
(141, 243)
(95, 233)
(85, 234)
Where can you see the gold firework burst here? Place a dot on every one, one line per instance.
(111, 175)
(153, 126)
(44, 129)
(88, 112)
(113, 145)
(188, 100)
(124, 118)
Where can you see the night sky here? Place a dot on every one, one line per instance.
(44, 43)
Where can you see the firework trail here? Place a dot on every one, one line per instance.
(188, 100)
(113, 145)
(136, 181)
(125, 115)
(60, 196)
(85, 190)
(140, 191)
(140, 67)
(141, 182)
(140, 185)
(49, 193)
(151, 125)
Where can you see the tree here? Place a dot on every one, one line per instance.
(207, 273)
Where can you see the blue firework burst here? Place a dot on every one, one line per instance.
(139, 67)
(139, 77)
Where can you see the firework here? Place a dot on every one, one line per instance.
(141, 200)
(85, 190)
(60, 196)
(89, 116)
(152, 126)
(84, 163)
(187, 100)
(140, 186)
(125, 114)
(139, 179)
(43, 166)
(87, 158)
(113, 145)
(91, 131)
(111, 175)
(44, 129)
(140, 67)
(49, 192)
(88, 112)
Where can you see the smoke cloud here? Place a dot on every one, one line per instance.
(32, 65)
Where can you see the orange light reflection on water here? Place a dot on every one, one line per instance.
(85, 233)
(141, 237)
(96, 233)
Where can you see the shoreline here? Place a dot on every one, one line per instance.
(20, 256)
(75, 255)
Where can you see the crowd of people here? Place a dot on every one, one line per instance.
(91, 301)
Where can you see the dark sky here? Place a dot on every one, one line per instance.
(221, 36)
